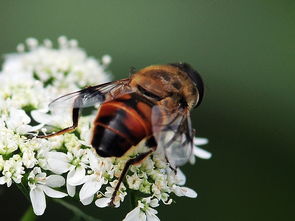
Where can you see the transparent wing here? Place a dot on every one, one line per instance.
(174, 134)
(92, 96)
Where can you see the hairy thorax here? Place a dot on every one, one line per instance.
(164, 81)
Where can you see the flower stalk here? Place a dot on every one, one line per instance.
(133, 198)
(78, 213)
(24, 190)
(29, 215)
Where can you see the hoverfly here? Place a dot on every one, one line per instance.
(154, 104)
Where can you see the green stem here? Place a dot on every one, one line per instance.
(75, 210)
(24, 190)
(29, 215)
(133, 199)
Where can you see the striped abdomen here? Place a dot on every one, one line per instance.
(120, 124)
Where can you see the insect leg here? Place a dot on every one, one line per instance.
(130, 162)
(174, 169)
(75, 119)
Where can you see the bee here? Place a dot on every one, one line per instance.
(153, 104)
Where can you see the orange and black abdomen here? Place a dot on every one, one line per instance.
(120, 124)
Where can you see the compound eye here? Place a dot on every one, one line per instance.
(195, 77)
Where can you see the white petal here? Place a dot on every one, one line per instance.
(87, 201)
(41, 116)
(189, 192)
(58, 162)
(35, 128)
(76, 176)
(192, 159)
(53, 193)
(17, 119)
(71, 190)
(102, 202)
(180, 177)
(38, 201)
(150, 216)
(2, 180)
(23, 129)
(134, 215)
(200, 141)
(89, 189)
(184, 191)
(154, 203)
(93, 160)
(203, 154)
(55, 181)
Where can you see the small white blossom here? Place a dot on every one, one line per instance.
(20, 47)
(29, 159)
(73, 162)
(9, 141)
(104, 201)
(106, 60)
(40, 184)
(144, 211)
(134, 182)
(12, 171)
(32, 43)
(94, 182)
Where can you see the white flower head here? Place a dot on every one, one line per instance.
(30, 80)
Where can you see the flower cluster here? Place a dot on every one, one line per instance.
(66, 165)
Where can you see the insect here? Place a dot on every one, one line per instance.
(154, 104)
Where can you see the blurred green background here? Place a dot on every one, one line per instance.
(245, 52)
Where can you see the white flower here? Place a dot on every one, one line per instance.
(34, 151)
(134, 181)
(144, 212)
(94, 181)
(19, 122)
(73, 162)
(106, 60)
(40, 184)
(104, 201)
(29, 159)
(12, 171)
(9, 141)
(42, 157)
